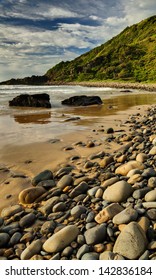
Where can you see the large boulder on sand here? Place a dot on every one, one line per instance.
(34, 100)
(82, 100)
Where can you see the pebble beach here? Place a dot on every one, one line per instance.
(95, 201)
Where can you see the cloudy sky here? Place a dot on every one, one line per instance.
(37, 34)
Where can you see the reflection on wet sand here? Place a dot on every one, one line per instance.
(35, 118)
(113, 105)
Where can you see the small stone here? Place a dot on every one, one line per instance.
(142, 157)
(59, 207)
(118, 192)
(131, 242)
(90, 144)
(77, 211)
(82, 250)
(45, 175)
(125, 216)
(15, 238)
(151, 214)
(61, 239)
(109, 182)
(153, 151)
(66, 180)
(4, 239)
(67, 251)
(48, 227)
(151, 196)
(147, 205)
(110, 130)
(47, 184)
(10, 211)
(90, 256)
(29, 195)
(144, 222)
(140, 193)
(80, 189)
(95, 234)
(106, 161)
(152, 182)
(108, 213)
(27, 220)
(126, 167)
(32, 249)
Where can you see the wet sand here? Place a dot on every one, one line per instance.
(30, 159)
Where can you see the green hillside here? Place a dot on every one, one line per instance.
(129, 56)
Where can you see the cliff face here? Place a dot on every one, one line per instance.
(129, 56)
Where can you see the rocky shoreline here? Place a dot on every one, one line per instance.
(100, 207)
(118, 85)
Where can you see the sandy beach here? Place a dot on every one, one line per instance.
(30, 159)
(87, 195)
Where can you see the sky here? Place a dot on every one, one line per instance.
(35, 35)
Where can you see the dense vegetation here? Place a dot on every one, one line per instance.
(130, 56)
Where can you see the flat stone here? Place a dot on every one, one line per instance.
(29, 195)
(61, 239)
(108, 213)
(144, 222)
(153, 151)
(80, 189)
(66, 180)
(140, 193)
(106, 161)
(95, 234)
(10, 211)
(27, 220)
(141, 157)
(90, 256)
(151, 196)
(151, 204)
(4, 239)
(32, 249)
(58, 207)
(152, 182)
(125, 216)
(47, 184)
(46, 209)
(133, 172)
(15, 238)
(48, 227)
(118, 192)
(131, 242)
(109, 255)
(43, 176)
(82, 250)
(77, 211)
(109, 182)
(126, 167)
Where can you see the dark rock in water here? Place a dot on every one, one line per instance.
(34, 100)
(125, 90)
(82, 100)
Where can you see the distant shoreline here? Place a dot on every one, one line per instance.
(113, 84)
(122, 85)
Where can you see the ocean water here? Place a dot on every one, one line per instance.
(27, 125)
